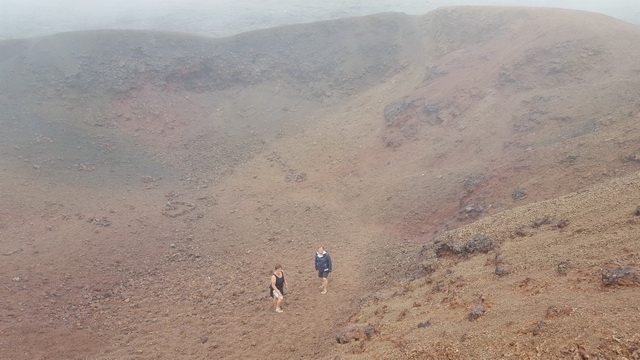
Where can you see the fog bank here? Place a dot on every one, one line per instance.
(25, 18)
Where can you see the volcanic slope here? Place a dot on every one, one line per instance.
(152, 180)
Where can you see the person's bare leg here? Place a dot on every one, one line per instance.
(279, 303)
(325, 284)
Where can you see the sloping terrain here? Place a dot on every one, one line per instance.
(152, 180)
(557, 279)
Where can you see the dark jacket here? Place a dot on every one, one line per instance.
(323, 263)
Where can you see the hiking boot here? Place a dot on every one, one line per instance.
(324, 291)
(278, 310)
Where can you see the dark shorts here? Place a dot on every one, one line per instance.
(323, 274)
(272, 292)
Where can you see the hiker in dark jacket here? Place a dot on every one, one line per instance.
(323, 266)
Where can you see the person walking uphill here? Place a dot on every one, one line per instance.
(278, 284)
(323, 266)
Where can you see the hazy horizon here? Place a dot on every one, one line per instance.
(27, 18)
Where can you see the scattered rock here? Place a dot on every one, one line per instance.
(569, 159)
(394, 110)
(503, 270)
(424, 324)
(99, 221)
(563, 267)
(637, 213)
(343, 339)
(174, 209)
(476, 312)
(542, 221)
(519, 194)
(368, 331)
(296, 176)
(473, 209)
(478, 244)
(520, 232)
(203, 340)
(446, 248)
(149, 179)
(427, 267)
(631, 158)
(537, 327)
(470, 212)
(403, 314)
(554, 312)
(391, 142)
(628, 275)
(562, 223)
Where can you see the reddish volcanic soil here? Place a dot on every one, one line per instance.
(474, 173)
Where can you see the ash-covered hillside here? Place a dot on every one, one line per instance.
(152, 180)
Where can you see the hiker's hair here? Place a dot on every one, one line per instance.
(278, 266)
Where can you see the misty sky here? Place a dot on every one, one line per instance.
(24, 18)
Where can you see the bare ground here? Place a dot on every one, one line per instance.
(151, 181)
